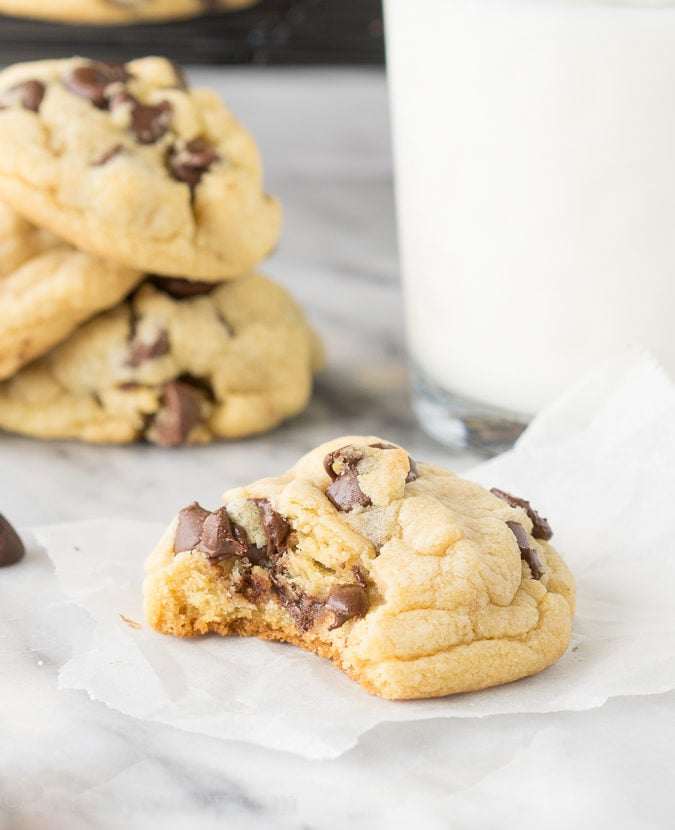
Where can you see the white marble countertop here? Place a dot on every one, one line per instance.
(68, 762)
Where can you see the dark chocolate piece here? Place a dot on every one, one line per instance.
(191, 162)
(92, 80)
(257, 556)
(527, 552)
(276, 528)
(344, 491)
(11, 547)
(221, 537)
(189, 530)
(141, 352)
(540, 526)
(347, 601)
(360, 578)
(150, 122)
(179, 413)
(302, 607)
(32, 93)
(178, 288)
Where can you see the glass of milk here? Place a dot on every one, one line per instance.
(534, 145)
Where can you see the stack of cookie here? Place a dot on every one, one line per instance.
(132, 213)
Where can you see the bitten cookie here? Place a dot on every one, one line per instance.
(178, 363)
(47, 289)
(128, 163)
(413, 581)
(117, 11)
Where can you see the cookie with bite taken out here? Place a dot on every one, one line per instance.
(413, 581)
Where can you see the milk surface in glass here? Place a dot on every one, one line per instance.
(534, 148)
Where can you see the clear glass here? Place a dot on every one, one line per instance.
(534, 146)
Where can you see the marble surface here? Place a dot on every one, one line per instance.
(68, 762)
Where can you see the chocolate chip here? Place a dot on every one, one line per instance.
(141, 352)
(221, 537)
(92, 80)
(360, 578)
(256, 555)
(27, 93)
(191, 162)
(189, 530)
(540, 526)
(344, 491)
(178, 288)
(527, 552)
(276, 527)
(150, 122)
(302, 607)
(117, 72)
(108, 155)
(11, 547)
(347, 601)
(412, 473)
(32, 93)
(179, 413)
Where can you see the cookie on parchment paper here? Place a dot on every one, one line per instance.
(415, 582)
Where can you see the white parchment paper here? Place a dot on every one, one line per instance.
(600, 464)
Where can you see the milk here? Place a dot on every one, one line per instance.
(534, 150)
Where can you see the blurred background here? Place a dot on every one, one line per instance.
(337, 32)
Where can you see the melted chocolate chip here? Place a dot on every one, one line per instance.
(303, 608)
(178, 288)
(276, 527)
(141, 352)
(150, 122)
(189, 530)
(359, 576)
(92, 80)
(32, 93)
(527, 552)
(540, 526)
(179, 413)
(344, 491)
(413, 472)
(11, 547)
(347, 601)
(256, 555)
(191, 162)
(221, 537)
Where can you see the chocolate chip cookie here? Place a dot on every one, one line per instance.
(47, 289)
(179, 362)
(413, 581)
(117, 11)
(126, 162)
